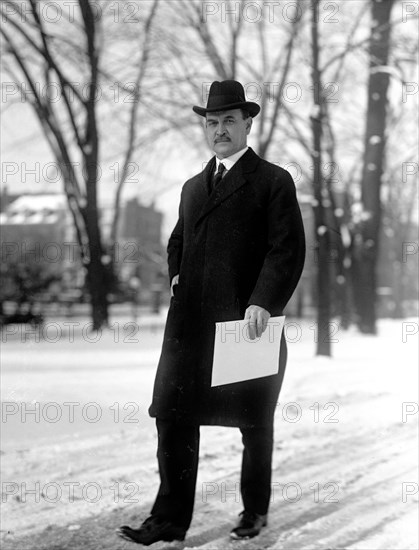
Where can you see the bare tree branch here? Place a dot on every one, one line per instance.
(264, 145)
(146, 45)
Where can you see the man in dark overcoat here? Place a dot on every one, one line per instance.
(236, 252)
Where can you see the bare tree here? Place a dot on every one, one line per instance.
(82, 195)
(41, 55)
(322, 231)
(368, 231)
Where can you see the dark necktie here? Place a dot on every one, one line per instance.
(218, 175)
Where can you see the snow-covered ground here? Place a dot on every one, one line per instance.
(78, 448)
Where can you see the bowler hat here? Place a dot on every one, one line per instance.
(226, 95)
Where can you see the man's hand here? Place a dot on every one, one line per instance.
(258, 320)
(175, 281)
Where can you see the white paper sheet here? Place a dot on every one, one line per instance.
(238, 358)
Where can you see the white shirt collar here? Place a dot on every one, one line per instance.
(229, 162)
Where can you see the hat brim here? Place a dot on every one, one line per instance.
(252, 108)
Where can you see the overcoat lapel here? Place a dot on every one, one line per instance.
(235, 179)
(207, 175)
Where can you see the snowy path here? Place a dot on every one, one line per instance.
(345, 462)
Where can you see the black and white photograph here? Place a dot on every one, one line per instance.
(209, 294)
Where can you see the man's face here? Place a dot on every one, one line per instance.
(227, 132)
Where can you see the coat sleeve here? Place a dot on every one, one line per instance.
(175, 245)
(284, 259)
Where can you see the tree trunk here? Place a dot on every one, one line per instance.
(97, 269)
(97, 284)
(367, 240)
(321, 230)
(398, 289)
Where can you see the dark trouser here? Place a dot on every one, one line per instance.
(178, 454)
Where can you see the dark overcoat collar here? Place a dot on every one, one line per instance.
(234, 179)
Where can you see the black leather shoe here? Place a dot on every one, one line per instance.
(152, 530)
(249, 525)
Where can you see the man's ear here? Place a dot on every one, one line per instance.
(249, 123)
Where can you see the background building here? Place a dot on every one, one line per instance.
(140, 253)
(40, 252)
